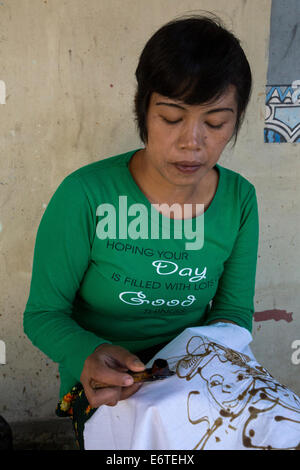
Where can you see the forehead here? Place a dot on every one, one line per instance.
(228, 99)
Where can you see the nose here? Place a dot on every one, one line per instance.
(192, 136)
(226, 388)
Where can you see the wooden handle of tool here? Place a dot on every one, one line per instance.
(137, 377)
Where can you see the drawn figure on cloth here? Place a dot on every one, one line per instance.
(242, 394)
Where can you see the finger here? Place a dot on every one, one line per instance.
(128, 391)
(123, 394)
(112, 364)
(106, 396)
(105, 377)
(124, 358)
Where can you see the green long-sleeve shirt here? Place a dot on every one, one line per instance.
(92, 282)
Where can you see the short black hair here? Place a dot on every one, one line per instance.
(193, 59)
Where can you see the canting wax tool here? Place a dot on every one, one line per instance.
(159, 371)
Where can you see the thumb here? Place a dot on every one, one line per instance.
(119, 357)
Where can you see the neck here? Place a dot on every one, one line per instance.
(160, 191)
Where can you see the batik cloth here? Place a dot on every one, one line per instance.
(220, 398)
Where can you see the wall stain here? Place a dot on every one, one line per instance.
(273, 315)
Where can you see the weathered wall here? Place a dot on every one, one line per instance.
(69, 71)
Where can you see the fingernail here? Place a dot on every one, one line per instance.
(138, 362)
(128, 381)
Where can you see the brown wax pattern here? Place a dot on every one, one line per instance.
(261, 394)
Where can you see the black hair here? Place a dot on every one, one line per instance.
(193, 59)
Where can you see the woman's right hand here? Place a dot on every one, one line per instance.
(108, 364)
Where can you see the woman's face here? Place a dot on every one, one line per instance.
(186, 141)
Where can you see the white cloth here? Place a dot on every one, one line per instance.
(220, 398)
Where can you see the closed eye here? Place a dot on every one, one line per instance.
(212, 126)
(176, 121)
(168, 121)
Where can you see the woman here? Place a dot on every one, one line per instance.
(110, 287)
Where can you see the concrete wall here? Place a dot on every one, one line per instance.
(69, 69)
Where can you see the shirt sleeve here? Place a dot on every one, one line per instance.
(61, 258)
(234, 299)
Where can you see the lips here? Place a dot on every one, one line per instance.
(187, 167)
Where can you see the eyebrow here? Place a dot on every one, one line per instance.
(173, 105)
(211, 111)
